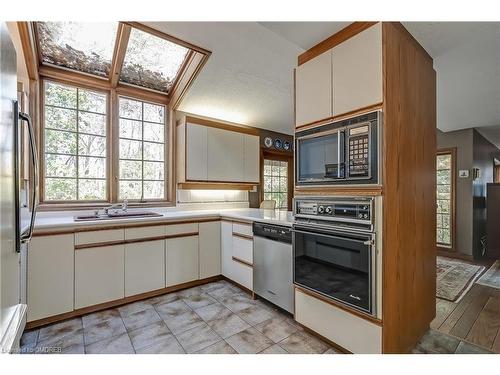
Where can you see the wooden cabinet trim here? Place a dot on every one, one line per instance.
(243, 236)
(340, 117)
(339, 305)
(244, 262)
(135, 240)
(221, 125)
(337, 38)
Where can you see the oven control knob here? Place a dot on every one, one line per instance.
(321, 209)
(360, 216)
(329, 210)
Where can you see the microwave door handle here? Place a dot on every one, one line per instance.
(34, 160)
(340, 154)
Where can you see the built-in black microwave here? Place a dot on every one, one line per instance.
(342, 152)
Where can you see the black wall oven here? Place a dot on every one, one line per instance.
(335, 253)
(343, 152)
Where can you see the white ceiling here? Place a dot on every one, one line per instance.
(249, 77)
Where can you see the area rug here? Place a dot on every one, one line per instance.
(492, 276)
(455, 278)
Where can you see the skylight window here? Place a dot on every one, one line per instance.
(83, 46)
(152, 62)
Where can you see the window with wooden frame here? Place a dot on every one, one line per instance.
(276, 182)
(445, 195)
(94, 150)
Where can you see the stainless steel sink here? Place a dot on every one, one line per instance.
(117, 214)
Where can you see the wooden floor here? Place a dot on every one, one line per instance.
(475, 318)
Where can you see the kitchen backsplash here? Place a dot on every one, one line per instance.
(211, 196)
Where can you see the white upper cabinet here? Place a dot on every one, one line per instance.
(196, 152)
(226, 159)
(252, 158)
(357, 71)
(211, 154)
(313, 89)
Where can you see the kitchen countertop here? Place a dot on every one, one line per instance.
(64, 220)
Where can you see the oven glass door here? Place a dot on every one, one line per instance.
(336, 264)
(321, 157)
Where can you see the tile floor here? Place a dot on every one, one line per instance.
(435, 342)
(212, 318)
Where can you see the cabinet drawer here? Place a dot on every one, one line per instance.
(99, 275)
(181, 229)
(243, 248)
(99, 236)
(244, 229)
(242, 274)
(347, 330)
(145, 232)
(144, 267)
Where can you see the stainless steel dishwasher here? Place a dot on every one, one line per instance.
(272, 264)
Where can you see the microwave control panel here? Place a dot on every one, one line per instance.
(359, 149)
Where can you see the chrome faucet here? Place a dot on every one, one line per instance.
(124, 206)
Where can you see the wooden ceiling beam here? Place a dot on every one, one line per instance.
(122, 38)
(29, 48)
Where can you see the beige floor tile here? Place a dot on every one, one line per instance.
(71, 342)
(172, 309)
(249, 341)
(29, 338)
(276, 329)
(168, 345)
(149, 335)
(238, 302)
(274, 349)
(99, 317)
(113, 345)
(190, 292)
(220, 347)
(213, 312)
(223, 292)
(183, 322)
(59, 330)
(199, 300)
(332, 351)
(228, 326)
(141, 319)
(198, 338)
(103, 330)
(466, 348)
(165, 298)
(255, 314)
(303, 343)
(434, 341)
(131, 308)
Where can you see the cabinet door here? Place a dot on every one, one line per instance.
(144, 267)
(196, 152)
(313, 89)
(225, 155)
(99, 275)
(50, 276)
(182, 260)
(252, 158)
(357, 71)
(210, 262)
(227, 248)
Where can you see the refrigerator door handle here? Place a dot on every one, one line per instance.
(34, 160)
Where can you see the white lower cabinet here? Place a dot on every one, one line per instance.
(144, 267)
(99, 275)
(182, 260)
(226, 230)
(353, 333)
(242, 274)
(243, 249)
(50, 276)
(210, 260)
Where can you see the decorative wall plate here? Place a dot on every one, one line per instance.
(268, 142)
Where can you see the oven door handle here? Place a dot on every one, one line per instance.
(369, 242)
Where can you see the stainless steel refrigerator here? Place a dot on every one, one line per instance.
(16, 220)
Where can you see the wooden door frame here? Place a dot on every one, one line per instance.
(453, 152)
(274, 155)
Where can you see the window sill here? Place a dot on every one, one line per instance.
(44, 207)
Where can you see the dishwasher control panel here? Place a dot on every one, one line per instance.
(273, 232)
